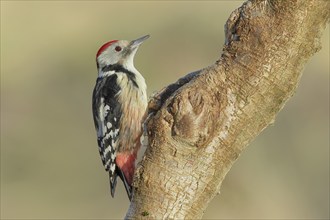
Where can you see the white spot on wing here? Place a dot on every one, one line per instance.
(101, 131)
(107, 163)
(108, 73)
(113, 167)
(106, 110)
(103, 112)
(107, 150)
(110, 134)
(113, 156)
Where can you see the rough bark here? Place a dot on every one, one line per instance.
(198, 126)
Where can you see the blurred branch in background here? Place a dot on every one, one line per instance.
(199, 126)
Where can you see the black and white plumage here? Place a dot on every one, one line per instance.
(107, 112)
(119, 105)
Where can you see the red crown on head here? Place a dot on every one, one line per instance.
(104, 47)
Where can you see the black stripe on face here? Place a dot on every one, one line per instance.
(119, 68)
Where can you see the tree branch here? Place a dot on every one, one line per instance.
(198, 126)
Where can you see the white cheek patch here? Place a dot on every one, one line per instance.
(109, 125)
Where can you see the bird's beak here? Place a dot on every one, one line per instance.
(135, 43)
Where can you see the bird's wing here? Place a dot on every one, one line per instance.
(107, 113)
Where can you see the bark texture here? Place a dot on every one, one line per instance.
(198, 126)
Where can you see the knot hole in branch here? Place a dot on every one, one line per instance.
(191, 116)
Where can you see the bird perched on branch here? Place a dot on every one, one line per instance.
(119, 108)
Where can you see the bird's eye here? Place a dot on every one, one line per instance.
(118, 48)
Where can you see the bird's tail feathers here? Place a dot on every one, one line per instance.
(128, 187)
(113, 183)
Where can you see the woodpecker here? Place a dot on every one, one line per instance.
(119, 107)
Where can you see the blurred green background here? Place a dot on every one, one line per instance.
(50, 166)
